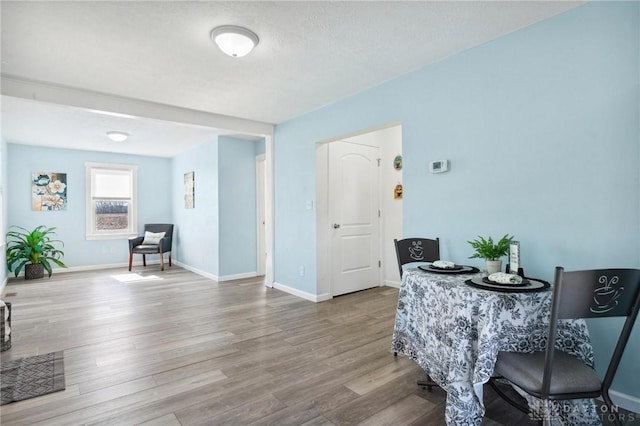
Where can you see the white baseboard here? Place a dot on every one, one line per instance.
(216, 277)
(303, 294)
(197, 271)
(84, 268)
(124, 265)
(238, 276)
(394, 284)
(623, 400)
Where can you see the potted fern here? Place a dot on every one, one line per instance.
(34, 250)
(491, 252)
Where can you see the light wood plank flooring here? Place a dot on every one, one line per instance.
(174, 348)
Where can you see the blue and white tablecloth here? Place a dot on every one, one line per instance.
(454, 332)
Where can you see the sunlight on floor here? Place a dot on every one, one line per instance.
(129, 278)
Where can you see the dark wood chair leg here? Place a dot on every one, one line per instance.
(130, 260)
(144, 260)
(169, 258)
(162, 261)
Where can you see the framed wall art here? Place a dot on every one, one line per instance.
(48, 191)
(189, 191)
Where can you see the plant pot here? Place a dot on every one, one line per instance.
(32, 272)
(494, 266)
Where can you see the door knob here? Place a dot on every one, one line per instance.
(336, 225)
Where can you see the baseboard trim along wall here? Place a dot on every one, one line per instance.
(216, 277)
(628, 402)
(238, 276)
(394, 284)
(196, 270)
(303, 294)
(124, 266)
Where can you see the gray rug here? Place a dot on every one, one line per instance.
(26, 378)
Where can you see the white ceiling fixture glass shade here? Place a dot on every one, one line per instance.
(234, 41)
(117, 136)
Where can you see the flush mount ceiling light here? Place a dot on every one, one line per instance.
(233, 40)
(117, 136)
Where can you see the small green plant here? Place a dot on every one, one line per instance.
(32, 247)
(488, 250)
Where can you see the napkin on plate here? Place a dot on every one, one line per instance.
(444, 264)
(504, 278)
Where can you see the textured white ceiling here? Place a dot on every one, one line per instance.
(310, 53)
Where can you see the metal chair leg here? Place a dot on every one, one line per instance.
(524, 409)
(428, 384)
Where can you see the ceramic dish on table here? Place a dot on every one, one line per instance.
(456, 269)
(527, 285)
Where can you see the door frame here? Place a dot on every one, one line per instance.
(324, 229)
(261, 247)
(390, 225)
(350, 148)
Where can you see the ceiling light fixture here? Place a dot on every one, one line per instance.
(117, 136)
(233, 40)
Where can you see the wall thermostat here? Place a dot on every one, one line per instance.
(439, 166)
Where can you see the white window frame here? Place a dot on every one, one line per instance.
(132, 231)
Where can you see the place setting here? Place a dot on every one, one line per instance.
(448, 267)
(506, 282)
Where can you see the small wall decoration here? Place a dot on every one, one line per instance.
(514, 256)
(397, 162)
(397, 192)
(48, 191)
(189, 191)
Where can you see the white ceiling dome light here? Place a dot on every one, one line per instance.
(117, 136)
(233, 40)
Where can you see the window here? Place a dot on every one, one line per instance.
(111, 201)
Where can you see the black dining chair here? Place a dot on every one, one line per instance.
(555, 375)
(412, 250)
(417, 250)
(157, 239)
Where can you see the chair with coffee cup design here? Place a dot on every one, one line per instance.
(555, 375)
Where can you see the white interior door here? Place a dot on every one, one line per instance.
(353, 209)
(261, 181)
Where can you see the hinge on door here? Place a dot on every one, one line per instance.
(379, 264)
(379, 162)
(378, 213)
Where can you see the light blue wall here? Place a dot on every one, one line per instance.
(153, 195)
(218, 236)
(542, 130)
(237, 193)
(197, 240)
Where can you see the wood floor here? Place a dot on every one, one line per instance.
(174, 348)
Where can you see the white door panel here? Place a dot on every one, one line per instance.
(353, 203)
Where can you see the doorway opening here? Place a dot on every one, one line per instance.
(355, 227)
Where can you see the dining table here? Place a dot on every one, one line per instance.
(454, 323)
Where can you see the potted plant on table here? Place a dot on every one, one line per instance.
(33, 250)
(491, 252)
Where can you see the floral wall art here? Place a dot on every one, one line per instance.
(48, 191)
